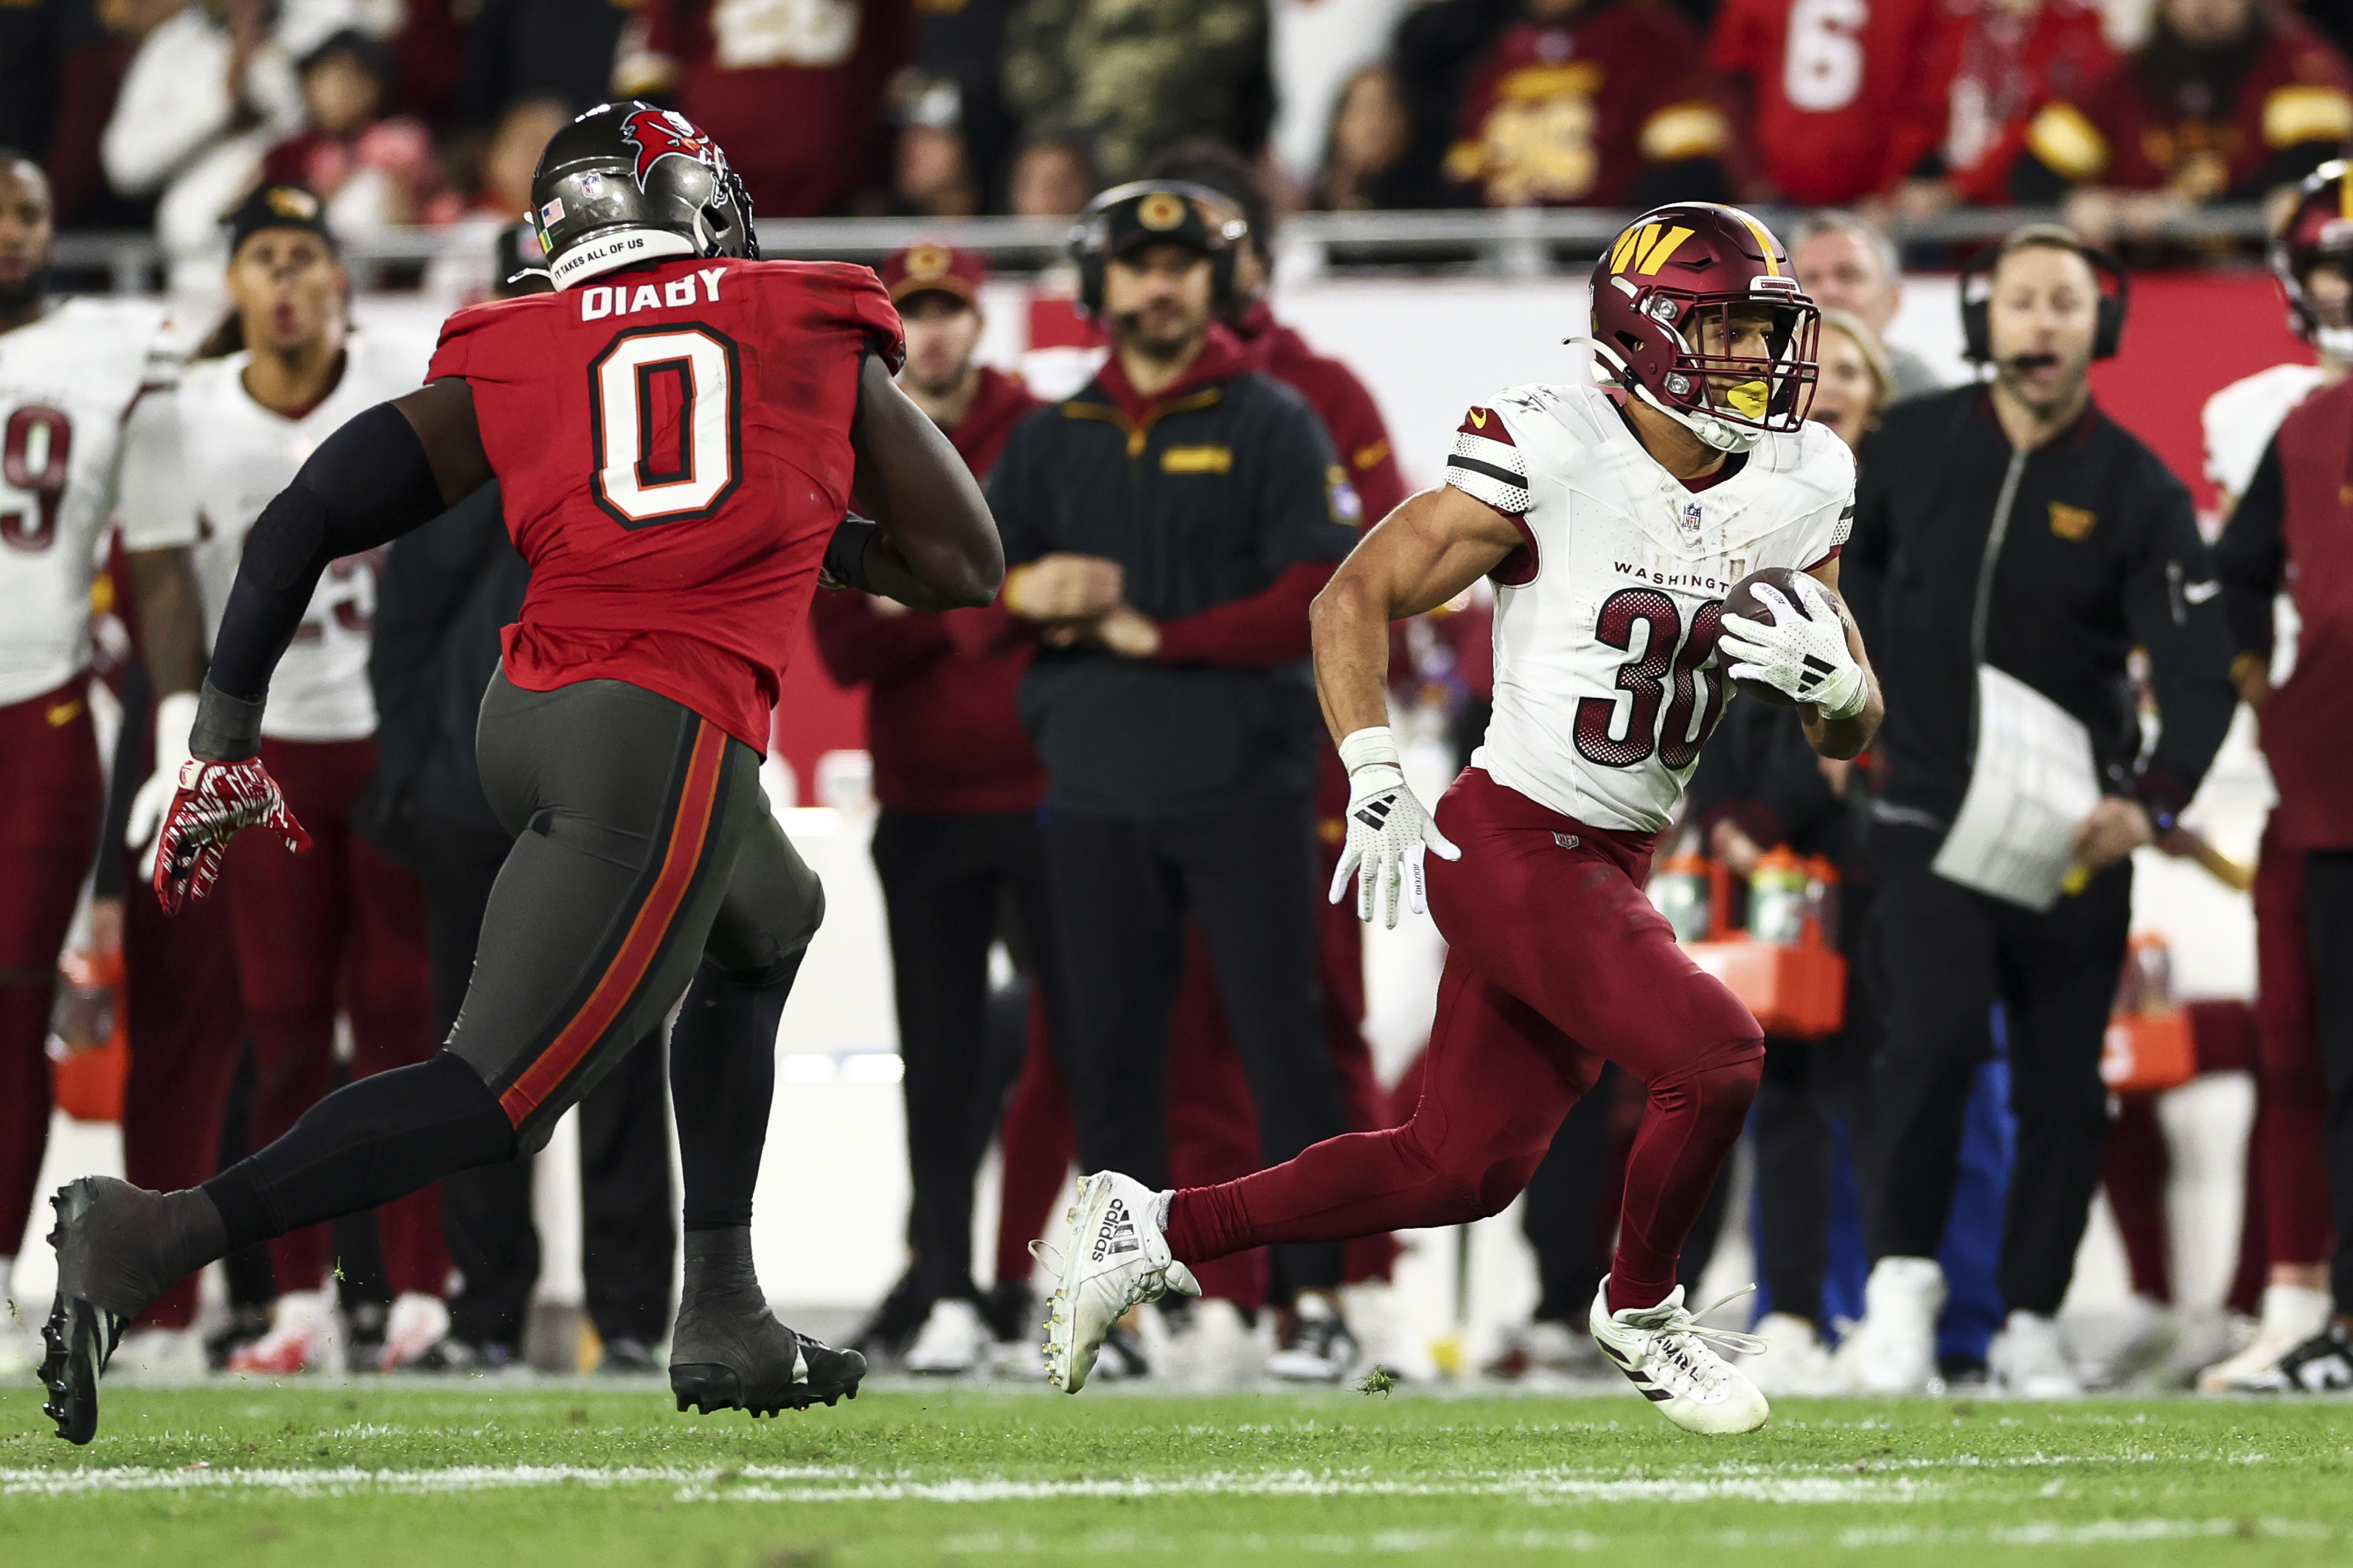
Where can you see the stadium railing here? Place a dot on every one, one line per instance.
(1526, 242)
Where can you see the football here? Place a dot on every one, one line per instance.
(1743, 602)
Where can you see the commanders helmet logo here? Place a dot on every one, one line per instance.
(928, 260)
(1161, 211)
(293, 201)
(659, 134)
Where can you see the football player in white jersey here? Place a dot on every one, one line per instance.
(342, 927)
(1614, 519)
(85, 426)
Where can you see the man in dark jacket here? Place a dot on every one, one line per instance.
(2012, 546)
(445, 592)
(1166, 529)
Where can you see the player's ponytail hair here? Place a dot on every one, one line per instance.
(225, 338)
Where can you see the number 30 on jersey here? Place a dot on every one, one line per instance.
(665, 407)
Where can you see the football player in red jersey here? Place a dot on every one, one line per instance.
(678, 432)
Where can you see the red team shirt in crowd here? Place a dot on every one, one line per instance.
(2000, 64)
(1574, 113)
(2127, 130)
(673, 446)
(1843, 108)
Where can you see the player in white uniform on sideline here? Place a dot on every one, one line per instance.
(85, 426)
(341, 928)
(1615, 519)
(2312, 256)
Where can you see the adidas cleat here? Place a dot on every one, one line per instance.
(729, 1352)
(118, 1247)
(1666, 1353)
(1114, 1258)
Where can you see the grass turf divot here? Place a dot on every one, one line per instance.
(255, 1473)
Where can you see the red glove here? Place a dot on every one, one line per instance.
(214, 800)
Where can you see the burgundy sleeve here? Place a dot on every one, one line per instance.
(1268, 628)
(856, 645)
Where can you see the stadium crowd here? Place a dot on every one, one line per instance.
(1186, 1005)
(429, 113)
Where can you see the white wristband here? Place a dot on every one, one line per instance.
(1368, 747)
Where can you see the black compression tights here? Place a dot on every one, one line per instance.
(366, 1145)
(723, 1074)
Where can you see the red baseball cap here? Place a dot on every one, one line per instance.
(927, 267)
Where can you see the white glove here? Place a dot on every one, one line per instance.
(1387, 828)
(175, 716)
(1803, 652)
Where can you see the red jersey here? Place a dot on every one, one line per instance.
(1350, 416)
(2212, 128)
(673, 446)
(1574, 114)
(1997, 63)
(1836, 88)
(2306, 724)
(795, 93)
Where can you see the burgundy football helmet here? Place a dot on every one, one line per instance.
(1670, 273)
(2319, 228)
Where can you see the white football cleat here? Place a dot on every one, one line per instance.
(415, 1324)
(1793, 1359)
(951, 1342)
(2028, 1361)
(301, 1337)
(1893, 1349)
(1114, 1258)
(1669, 1356)
(2292, 1315)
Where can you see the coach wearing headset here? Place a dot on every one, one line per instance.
(2013, 545)
(1165, 529)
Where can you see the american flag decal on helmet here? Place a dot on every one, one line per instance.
(1486, 464)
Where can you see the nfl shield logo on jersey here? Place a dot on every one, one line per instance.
(1693, 519)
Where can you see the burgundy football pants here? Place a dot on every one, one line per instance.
(1556, 964)
(2291, 1096)
(54, 794)
(340, 929)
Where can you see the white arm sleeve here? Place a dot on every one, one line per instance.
(151, 484)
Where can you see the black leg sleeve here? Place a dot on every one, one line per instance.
(627, 1242)
(363, 1145)
(723, 1077)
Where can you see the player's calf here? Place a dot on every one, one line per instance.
(729, 1352)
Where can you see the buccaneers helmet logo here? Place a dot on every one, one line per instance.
(659, 134)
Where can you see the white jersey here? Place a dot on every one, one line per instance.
(239, 456)
(2240, 420)
(1607, 681)
(70, 390)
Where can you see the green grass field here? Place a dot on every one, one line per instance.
(359, 1474)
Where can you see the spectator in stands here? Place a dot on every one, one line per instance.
(211, 89)
(372, 171)
(1846, 264)
(1053, 176)
(518, 51)
(1590, 103)
(933, 168)
(797, 94)
(1136, 78)
(2229, 99)
(1364, 150)
(1999, 62)
(1831, 108)
(62, 63)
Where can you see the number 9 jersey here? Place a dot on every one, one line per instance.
(1607, 679)
(672, 447)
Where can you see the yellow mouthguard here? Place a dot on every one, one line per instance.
(1749, 399)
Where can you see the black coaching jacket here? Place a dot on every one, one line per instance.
(2052, 565)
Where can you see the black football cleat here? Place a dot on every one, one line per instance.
(729, 1352)
(118, 1247)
